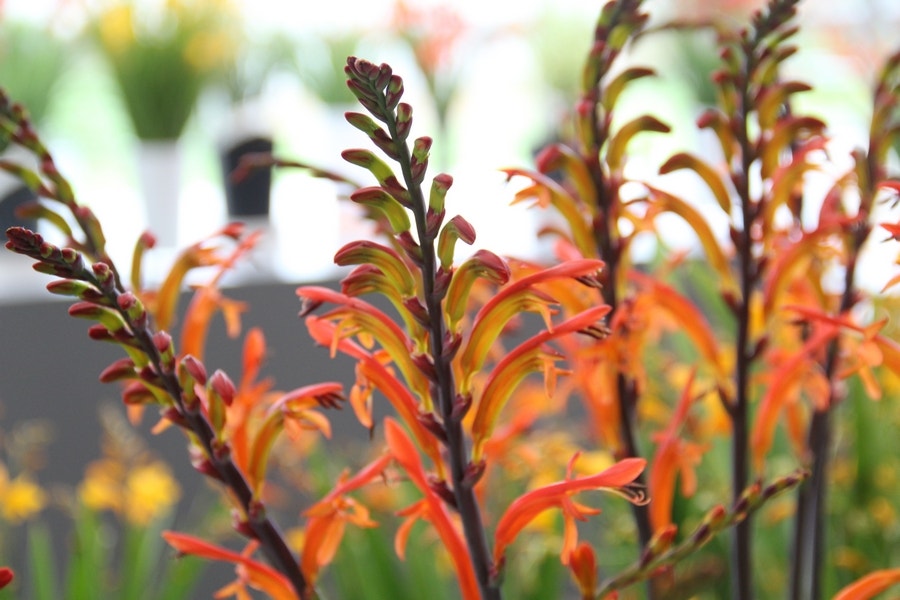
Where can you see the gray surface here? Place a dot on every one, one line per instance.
(49, 370)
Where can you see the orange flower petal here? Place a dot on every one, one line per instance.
(514, 366)
(549, 192)
(262, 576)
(403, 450)
(527, 507)
(870, 585)
(583, 564)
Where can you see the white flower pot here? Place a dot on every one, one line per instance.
(159, 173)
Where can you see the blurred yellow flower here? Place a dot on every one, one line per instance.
(20, 498)
(150, 491)
(162, 54)
(117, 28)
(101, 488)
(207, 51)
(296, 538)
(141, 494)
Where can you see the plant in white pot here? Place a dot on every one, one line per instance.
(162, 55)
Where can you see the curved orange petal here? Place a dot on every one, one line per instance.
(661, 483)
(510, 371)
(665, 202)
(386, 259)
(508, 302)
(870, 585)
(412, 513)
(784, 382)
(526, 507)
(692, 321)
(359, 317)
(714, 180)
(253, 356)
(549, 192)
(257, 462)
(670, 457)
(260, 575)
(583, 564)
(364, 476)
(378, 375)
(404, 452)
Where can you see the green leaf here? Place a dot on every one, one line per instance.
(89, 557)
(41, 562)
(143, 552)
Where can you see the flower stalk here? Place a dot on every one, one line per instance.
(123, 318)
(380, 91)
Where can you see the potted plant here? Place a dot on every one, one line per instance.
(161, 57)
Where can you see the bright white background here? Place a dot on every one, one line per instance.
(500, 115)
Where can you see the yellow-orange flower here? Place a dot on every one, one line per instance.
(872, 584)
(249, 571)
(141, 493)
(431, 508)
(117, 28)
(328, 518)
(558, 495)
(101, 488)
(20, 498)
(150, 491)
(674, 456)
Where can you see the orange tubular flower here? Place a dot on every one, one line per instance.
(295, 406)
(545, 191)
(870, 585)
(527, 507)
(784, 388)
(381, 377)
(673, 455)
(431, 508)
(583, 565)
(250, 572)
(685, 312)
(510, 301)
(509, 372)
(357, 317)
(198, 255)
(327, 519)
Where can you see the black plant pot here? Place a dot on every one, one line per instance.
(249, 196)
(9, 202)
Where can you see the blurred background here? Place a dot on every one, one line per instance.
(145, 99)
(145, 104)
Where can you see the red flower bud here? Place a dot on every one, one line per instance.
(223, 386)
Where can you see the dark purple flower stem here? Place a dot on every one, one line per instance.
(748, 267)
(261, 527)
(809, 522)
(609, 245)
(463, 489)
(750, 270)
